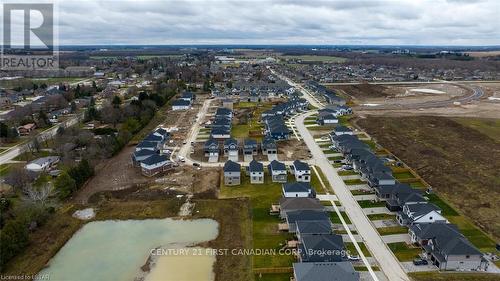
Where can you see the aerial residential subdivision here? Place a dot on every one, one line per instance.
(229, 140)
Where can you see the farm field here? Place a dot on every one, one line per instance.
(454, 159)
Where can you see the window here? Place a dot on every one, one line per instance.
(430, 218)
(467, 256)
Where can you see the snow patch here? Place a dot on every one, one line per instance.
(427, 91)
(85, 214)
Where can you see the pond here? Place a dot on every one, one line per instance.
(116, 250)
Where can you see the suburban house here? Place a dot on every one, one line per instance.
(231, 149)
(420, 233)
(232, 173)
(42, 164)
(220, 133)
(224, 112)
(322, 248)
(277, 170)
(250, 148)
(399, 197)
(301, 171)
(452, 251)
(211, 150)
(292, 217)
(313, 227)
(140, 155)
(221, 122)
(25, 130)
(256, 172)
(321, 271)
(342, 130)
(420, 212)
(275, 127)
(181, 104)
(269, 147)
(298, 189)
(188, 96)
(326, 118)
(287, 204)
(384, 192)
(155, 164)
(147, 145)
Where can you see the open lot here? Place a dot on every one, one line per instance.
(457, 161)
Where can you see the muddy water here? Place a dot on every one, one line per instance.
(116, 250)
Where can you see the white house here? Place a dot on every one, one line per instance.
(256, 172)
(297, 189)
(422, 212)
(301, 171)
(277, 171)
(342, 130)
(42, 164)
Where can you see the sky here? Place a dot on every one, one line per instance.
(437, 22)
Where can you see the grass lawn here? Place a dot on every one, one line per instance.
(28, 156)
(361, 192)
(403, 175)
(447, 210)
(418, 185)
(452, 276)
(246, 104)
(350, 247)
(265, 233)
(375, 217)
(392, 230)
(310, 122)
(240, 131)
(320, 128)
(273, 277)
(354, 181)
(325, 145)
(347, 173)
(403, 252)
(317, 184)
(370, 204)
(335, 219)
(371, 144)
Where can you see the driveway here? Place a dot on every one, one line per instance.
(386, 259)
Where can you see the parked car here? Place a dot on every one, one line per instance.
(346, 167)
(420, 261)
(353, 258)
(196, 164)
(181, 158)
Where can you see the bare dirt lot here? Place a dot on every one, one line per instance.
(460, 163)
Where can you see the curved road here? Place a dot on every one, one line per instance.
(477, 93)
(388, 263)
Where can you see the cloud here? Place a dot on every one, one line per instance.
(279, 22)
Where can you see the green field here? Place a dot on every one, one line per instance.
(370, 204)
(375, 217)
(265, 233)
(489, 127)
(350, 247)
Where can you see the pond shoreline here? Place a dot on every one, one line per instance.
(46, 241)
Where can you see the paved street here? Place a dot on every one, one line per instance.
(386, 259)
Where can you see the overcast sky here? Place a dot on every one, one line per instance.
(437, 22)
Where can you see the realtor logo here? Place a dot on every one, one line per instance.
(28, 37)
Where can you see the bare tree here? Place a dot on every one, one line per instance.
(38, 194)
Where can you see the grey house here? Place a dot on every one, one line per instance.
(211, 150)
(299, 203)
(292, 217)
(231, 149)
(301, 171)
(452, 251)
(232, 173)
(321, 271)
(313, 227)
(277, 170)
(322, 248)
(270, 148)
(250, 147)
(256, 172)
